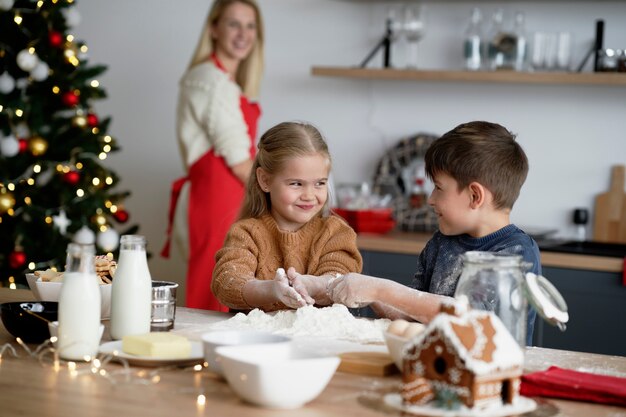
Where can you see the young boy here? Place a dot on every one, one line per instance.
(478, 170)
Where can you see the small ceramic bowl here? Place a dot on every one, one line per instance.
(274, 377)
(395, 344)
(215, 339)
(49, 291)
(53, 328)
(31, 328)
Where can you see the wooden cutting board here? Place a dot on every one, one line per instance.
(610, 211)
(367, 363)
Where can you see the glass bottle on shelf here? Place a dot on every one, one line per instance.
(521, 42)
(79, 305)
(472, 43)
(493, 53)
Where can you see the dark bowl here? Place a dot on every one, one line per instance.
(26, 326)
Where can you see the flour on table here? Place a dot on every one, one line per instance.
(327, 322)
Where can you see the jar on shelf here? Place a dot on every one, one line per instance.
(608, 60)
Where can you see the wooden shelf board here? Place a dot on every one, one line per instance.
(508, 77)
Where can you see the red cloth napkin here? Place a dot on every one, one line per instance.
(574, 385)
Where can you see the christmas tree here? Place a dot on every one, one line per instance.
(54, 187)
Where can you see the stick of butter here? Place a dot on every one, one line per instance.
(157, 344)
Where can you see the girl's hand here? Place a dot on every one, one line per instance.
(353, 290)
(312, 288)
(298, 283)
(284, 292)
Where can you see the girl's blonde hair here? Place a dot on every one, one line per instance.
(279, 144)
(250, 70)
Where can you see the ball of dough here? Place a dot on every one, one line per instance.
(398, 327)
(413, 329)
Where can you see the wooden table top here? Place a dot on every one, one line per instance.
(30, 388)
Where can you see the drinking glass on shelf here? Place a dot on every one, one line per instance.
(545, 51)
(538, 51)
(413, 29)
(550, 57)
(563, 53)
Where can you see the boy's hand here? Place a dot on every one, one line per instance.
(353, 290)
(284, 292)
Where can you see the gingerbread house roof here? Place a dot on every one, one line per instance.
(479, 338)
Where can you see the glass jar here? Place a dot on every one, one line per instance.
(493, 282)
(497, 282)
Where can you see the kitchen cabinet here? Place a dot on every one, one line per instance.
(596, 303)
(500, 77)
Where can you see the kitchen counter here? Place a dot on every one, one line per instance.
(28, 387)
(413, 243)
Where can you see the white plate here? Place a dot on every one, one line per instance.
(115, 348)
(521, 406)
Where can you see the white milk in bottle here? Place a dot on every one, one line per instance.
(79, 305)
(131, 294)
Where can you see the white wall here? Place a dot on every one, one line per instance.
(572, 134)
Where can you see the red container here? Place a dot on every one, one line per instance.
(368, 221)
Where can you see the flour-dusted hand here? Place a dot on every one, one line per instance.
(297, 282)
(353, 290)
(284, 292)
(313, 286)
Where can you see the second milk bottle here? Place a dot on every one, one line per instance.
(79, 305)
(131, 293)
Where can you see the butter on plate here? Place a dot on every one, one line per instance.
(157, 345)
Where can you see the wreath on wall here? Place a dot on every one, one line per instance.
(389, 179)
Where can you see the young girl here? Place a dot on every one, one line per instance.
(285, 224)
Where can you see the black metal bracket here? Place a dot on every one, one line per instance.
(384, 43)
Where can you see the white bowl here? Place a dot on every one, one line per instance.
(53, 328)
(274, 377)
(395, 345)
(32, 279)
(215, 339)
(49, 291)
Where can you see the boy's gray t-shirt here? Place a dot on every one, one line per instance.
(439, 265)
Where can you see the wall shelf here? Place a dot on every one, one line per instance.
(505, 77)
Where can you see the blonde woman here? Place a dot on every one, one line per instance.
(216, 127)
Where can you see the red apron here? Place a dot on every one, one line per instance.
(214, 202)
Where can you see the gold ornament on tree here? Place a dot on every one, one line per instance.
(37, 145)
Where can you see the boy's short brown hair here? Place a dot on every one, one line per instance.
(481, 152)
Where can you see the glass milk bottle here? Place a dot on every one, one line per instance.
(131, 294)
(79, 305)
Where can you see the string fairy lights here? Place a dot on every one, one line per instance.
(111, 367)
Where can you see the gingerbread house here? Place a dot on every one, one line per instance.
(462, 357)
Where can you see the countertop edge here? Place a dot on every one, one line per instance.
(408, 243)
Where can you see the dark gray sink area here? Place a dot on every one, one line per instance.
(616, 250)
